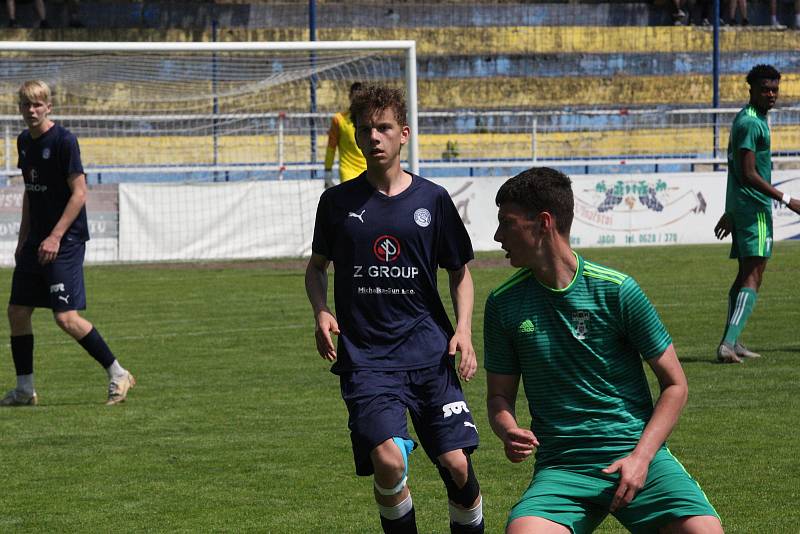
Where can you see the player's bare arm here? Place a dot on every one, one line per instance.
(48, 249)
(674, 392)
(753, 179)
(501, 397)
(462, 292)
(317, 291)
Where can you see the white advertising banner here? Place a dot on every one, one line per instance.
(210, 221)
(240, 220)
(628, 209)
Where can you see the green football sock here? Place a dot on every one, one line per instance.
(732, 293)
(741, 310)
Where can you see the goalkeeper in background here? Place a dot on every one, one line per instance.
(51, 246)
(748, 207)
(342, 135)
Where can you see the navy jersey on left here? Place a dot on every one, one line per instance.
(46, 163)
(385, 252)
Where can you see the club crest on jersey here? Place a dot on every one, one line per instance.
(46, 153)
(386, 248)
(422, 217)
(580, 324)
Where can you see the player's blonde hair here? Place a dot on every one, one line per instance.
(35, 91)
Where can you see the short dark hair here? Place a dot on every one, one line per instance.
(541, 189)
(762, 72)
(355, 87)
(372, 99)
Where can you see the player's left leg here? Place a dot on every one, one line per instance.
(741, 305)
(448, 434)
(752, 246)
(463, 492)
(67, 295)
(669, 499)
(697, 524)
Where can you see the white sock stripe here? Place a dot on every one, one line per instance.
(396, 512)
(741, 301)
(471, 517)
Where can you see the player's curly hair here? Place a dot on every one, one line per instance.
(372, 99)
(762, 72)
(541, 189)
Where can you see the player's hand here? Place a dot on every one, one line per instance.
(48, 249)
(468, 365)
(632, 475)
(326, 323)
(724, 226)
(794, 205)
(329, 179)
(519, 443)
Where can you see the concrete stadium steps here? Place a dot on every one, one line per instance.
(244, 149)
(459, 41)
(373, 13)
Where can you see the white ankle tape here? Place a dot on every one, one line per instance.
(394, 491)
(397, 511)
(469, 517)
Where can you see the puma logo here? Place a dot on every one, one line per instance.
(65, 299)
(357, 215)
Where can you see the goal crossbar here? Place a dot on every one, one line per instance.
(408, 46)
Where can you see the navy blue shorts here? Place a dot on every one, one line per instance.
(377, 402)
(57, 285)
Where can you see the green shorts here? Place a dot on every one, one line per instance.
(581, 501)
(752, 235)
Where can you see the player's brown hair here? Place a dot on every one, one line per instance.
(372, 99)
(541, 189)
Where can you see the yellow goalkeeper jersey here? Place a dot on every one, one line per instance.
(342, 134)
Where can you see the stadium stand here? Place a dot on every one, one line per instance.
(565, 60)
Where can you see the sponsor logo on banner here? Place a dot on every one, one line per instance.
(785, 222)
(636, 204)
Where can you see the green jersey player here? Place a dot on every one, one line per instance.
(576, 332)
(748, 206)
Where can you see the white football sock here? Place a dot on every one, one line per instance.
(25, 384)
(115, 370)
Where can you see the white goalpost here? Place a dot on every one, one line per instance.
(158, 123)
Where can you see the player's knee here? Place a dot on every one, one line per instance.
(19, 318)
(453, 469)
(391, 466)
(68, 321)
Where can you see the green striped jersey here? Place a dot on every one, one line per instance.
(579, 353)
(750, 131)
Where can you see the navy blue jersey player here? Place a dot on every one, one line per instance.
(50, 250)
(386, 233)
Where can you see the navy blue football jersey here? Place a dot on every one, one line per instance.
(385, 252)
(46, 163)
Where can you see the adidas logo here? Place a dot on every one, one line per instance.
(527, 327)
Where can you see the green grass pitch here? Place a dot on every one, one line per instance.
(236, 424)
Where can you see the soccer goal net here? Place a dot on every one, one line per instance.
(253, 114)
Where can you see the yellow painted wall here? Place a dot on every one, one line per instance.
(263, 149)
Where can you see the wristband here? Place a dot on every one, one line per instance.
(786, 198)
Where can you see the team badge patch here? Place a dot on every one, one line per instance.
(580, 324)
(46, 153)
(422, 217)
